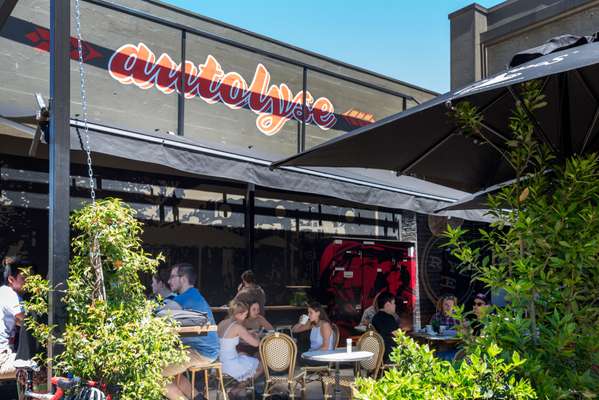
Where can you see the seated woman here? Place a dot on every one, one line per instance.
(238, 366)
(319, 325)
(369, 312)
(444, 314)
(255, 321)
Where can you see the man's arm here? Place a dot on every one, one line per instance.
(14, 307)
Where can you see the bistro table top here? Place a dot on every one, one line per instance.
(338, 355)
(361, 328)
(197, 330)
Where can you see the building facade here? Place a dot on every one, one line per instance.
(185, 116)
(483, 40)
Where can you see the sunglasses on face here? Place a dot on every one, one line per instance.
(479, 303)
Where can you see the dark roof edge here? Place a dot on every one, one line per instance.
(528, 21)
(502, 5)
(289, 46)
(473, 6)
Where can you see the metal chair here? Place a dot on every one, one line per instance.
(278, 353)
(369, 341)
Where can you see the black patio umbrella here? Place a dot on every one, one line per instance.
(425, 142)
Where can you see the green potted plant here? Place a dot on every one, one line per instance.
(111, 335)
(418, 375)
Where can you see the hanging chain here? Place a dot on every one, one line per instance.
(99, 291)
(90, 171)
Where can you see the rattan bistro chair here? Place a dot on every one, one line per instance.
(278, 353)
(369, 341)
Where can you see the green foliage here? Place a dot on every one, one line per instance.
(117, 340)
(468, 118)
(419, 375)
(544, 246)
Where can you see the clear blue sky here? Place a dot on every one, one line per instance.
(404, 39)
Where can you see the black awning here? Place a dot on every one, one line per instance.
(375, 188)
(156, 152)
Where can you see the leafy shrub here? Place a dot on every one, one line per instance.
(113, 339)
(419, 375)
(544, 245)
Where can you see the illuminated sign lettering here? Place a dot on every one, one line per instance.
(274, 104)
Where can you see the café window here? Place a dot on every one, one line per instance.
(193, 221)
(291, 236)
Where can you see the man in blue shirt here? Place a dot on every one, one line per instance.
(203, 350)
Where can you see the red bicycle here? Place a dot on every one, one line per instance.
(75, 387)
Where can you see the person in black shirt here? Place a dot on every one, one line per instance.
(385, 323)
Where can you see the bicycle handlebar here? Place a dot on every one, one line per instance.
(62, 384)
(65, 383)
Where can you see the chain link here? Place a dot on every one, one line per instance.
(83, 93)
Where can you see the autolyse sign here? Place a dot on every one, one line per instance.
(233, 88)
(274, 104)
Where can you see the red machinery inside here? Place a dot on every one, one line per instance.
(353, 271)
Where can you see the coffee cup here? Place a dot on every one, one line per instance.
(348, 345)
(442, 329)
(304, 319)
(429, 329)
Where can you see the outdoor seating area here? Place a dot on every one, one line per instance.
(330, 370)
(191, 210)
(258, 359)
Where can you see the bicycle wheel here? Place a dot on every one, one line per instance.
(87, 393)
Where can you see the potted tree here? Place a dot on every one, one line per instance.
(111, 335)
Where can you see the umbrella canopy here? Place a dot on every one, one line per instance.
(476, 201)
(425, 141)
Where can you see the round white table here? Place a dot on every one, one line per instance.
(337, 356)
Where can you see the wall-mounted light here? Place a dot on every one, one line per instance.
(350, 216)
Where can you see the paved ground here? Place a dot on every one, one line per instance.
(8, 391)
(313, 390)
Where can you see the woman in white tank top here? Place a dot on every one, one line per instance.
(239, 366)
(319, 325)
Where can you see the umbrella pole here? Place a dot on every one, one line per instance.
(59, 150)
(565, 130)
